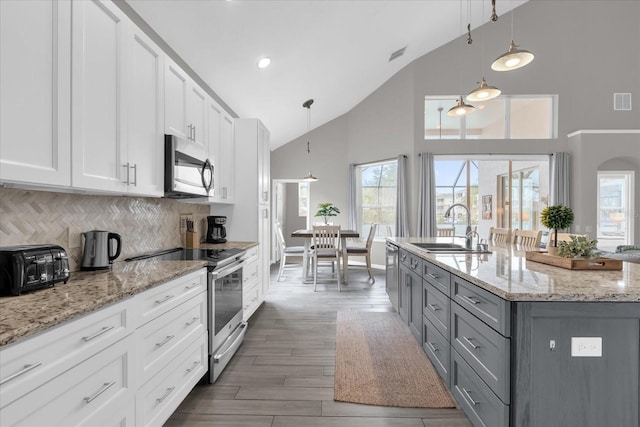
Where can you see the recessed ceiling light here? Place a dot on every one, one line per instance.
(264, 62)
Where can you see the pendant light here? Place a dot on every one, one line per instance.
(484, 92)
(460, 109)
(307, 104)
(514, 58)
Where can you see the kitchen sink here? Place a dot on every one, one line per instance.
(447, 248)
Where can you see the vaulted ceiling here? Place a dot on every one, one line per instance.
(334, 51)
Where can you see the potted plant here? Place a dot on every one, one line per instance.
(557, 217)
(326, 210)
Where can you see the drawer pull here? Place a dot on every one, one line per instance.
(470, 343)
(193, 285)
(469, 299)
(165, 395)
(24, 370)
(191, 322)
(164, 341)
(94, 396)
(433, 276)
(194, 366)
(163, 300)
(433, 307)
(468, 396)
(100, 332)
(432, 347)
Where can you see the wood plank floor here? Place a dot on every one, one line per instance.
(282, 376)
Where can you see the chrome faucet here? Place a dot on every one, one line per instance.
(468, 235)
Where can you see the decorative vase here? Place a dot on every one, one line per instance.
(552, 250)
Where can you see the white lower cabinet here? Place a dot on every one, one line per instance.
(251, 283)
(131, 363)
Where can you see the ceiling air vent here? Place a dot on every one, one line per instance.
(621, 102)
(397, 54)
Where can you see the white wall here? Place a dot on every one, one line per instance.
(580, 55)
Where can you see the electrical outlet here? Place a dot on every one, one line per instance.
(74, 238)
(586, 346)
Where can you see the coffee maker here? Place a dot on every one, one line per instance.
(216, 232)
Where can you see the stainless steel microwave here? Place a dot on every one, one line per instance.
(187, 170)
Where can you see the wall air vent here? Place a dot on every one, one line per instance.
(397, 54)
(621, 102)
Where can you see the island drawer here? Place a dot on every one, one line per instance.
(438, 277)
(485, 350)
(436, 308)
(437, 349)
(489, 308)
(411, 261)
(482, 407)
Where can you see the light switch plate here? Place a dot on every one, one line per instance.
(586, 346)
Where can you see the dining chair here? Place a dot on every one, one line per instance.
(527, 237)
(364, 251)
(286, 251)
(445, 232)
(326, 247)
(499, 235)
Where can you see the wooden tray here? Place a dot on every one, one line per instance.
(575, 263)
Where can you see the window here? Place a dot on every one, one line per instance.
(504, 117)
(499, 190)
(377, 184)
(303, 198)
(615, 209)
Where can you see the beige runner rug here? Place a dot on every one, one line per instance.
(378, 362)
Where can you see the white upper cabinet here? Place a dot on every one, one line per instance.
(186, 106)
(221, 154)
(145, 115)
(264, 164)
(35, 106)
(98, 70)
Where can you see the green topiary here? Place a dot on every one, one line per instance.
(557, 217)
(327, 209)
(579, 246)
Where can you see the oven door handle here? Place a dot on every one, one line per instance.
(216, 274)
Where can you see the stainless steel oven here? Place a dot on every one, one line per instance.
(226, 328)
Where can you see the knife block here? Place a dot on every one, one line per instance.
(192, 239)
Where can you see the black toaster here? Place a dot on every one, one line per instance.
(30, 267)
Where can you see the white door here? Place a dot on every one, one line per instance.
(264, 159)
(615, 221)
(227, 158)
(98, 134)
(35, 106)
(197, 102)
(145, 127)
(175, 100)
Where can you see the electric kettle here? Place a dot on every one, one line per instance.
(98, 249)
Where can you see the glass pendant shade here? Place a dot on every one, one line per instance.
(483, 92)
(513, 59)
(460, 109)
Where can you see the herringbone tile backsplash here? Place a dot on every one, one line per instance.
(145, 224)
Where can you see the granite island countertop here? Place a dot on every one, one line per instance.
(506, 273)
(24, 315)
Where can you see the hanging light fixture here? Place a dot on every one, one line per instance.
(513, 58)
(307, 104)
(460, 109)
(483, 92)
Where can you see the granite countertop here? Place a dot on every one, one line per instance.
(229, 245)
(24, 315)
(506, 273)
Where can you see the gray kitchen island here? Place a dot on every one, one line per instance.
(521, 343)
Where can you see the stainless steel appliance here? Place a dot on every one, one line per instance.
(392, 272)
(187, 171)
(224, 291)
(216, 232)
(30, 267)
(98, 252)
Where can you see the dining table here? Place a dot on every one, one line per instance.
(307, 235)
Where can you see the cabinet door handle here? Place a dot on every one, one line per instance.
(94, 396)
(433, 307)
(163, 300)
(433, 276)
(126, 166)
(432, 347)
(191, 322)
(469, 299)
(100, 332)
(468, 340)
(164, 341)
(24, 370)
(468, 396)
(135, 174)
(194, 366)
(165, 395)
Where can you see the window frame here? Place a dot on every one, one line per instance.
(381, 231)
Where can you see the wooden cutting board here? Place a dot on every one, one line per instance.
(574, 263)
